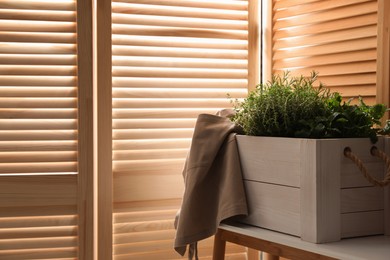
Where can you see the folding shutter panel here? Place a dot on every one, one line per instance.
(172, 60)
(383, 54)
(338, 39)
(38, 130)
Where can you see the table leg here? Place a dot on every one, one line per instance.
(253, 254)
(219, 247)
(267, 256)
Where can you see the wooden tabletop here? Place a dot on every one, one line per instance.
(362, 248)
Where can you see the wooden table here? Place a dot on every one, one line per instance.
(278, 244)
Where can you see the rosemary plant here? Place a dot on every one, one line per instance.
(293, 107)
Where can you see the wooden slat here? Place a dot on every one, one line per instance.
(135, 206)
(37, 37)
(40, 15)
(66, 5)
(178, 93)
(68, 81)
(183, 22)
(368, 90)
(37, 48)
(178, 72)
(179, 52)
(332, 48)
(329, 26)
(153, 123)
(22, 223)
(362, 224)
(50, 167)
(141, 247)
(178, 83)
(347, 80)
(15, 233)
(38, 102)
(339, 69)
(52, 156)
(38, 113)
(339, 13)
(227, 4)
(152, 133)
(173, 171)
(362, 199)
(150, 154)
(289, 3)
(318, 6)
(136, 237)
(143, 226)
(331, 37)
(37, 243)
(15, 135)
(149, 255)
(171, 62)
(161, 113)
(54, 253)
(38, 92)
(273, 206)
(36, 59)
(176, 41)
(23, 146)
(163, 31)
(171, 103)
(161, 10)
(65, 258)
(41, 124)
(370, 100)
(127, 217)
(151, 165)
(52, 210)
(37, 70)
(37, 26)
(268, 161)
(347, 57)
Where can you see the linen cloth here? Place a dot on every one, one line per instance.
(214, 189)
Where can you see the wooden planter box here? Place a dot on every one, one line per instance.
(308, 188)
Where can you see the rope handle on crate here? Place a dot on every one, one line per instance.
(374, 152)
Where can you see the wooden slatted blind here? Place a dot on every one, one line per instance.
(38, 129)
(338, 39)
(172, 60)
(38, 94)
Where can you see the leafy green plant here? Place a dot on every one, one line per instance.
(292, 107)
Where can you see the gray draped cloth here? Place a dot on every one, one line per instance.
(214, 189)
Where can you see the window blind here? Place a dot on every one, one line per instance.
(338, 39)
(172, 60)
(38, 129)
(38, 106)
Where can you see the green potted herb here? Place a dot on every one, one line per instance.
(292, 107)
(296, 176)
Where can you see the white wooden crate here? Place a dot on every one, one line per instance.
(308, 188)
